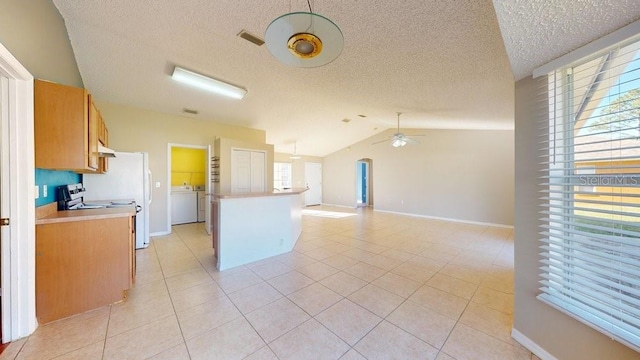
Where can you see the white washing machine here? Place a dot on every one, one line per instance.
(202, 202)
(184, 205)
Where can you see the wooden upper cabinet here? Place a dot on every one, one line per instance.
(94, 120)
(64, 132)
(103, 138)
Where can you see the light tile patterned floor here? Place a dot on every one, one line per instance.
(367, 286)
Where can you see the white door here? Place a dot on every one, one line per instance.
(248, 171)
(18, 239)
(4, 210)
(240, 171)
(258, 173)
(313, 178)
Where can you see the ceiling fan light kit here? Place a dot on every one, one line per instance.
(207, 83)
(398, 142)
(304, 39)
(399, 139)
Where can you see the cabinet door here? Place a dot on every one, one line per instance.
(103, 138)
(81, 265)
(92, 144)
(61, 127)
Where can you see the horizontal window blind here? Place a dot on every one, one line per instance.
(590, 216)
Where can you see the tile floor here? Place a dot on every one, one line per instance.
(359, 285)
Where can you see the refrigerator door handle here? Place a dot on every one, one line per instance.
(150, 186)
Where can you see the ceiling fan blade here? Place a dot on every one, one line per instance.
(381, 141)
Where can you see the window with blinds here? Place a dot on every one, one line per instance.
(590, 230)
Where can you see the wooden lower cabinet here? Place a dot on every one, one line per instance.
(82, 265)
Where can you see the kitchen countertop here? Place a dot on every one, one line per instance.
(293, 191)
(50, 215)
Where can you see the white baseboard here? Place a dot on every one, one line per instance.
(532, 346)
(447, 219)
(339, 206)
(160, 233)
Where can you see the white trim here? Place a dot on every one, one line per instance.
(340, 206)
(168, 181)
(607, 41)
(447, 219)
(531, 345)
(18, 256)
(160, 233)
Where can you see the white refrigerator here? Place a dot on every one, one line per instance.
(128, 178)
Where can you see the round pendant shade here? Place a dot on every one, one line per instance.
(304, 39)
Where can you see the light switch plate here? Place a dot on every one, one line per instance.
(44, 190)
(37, 192)
(157, 184)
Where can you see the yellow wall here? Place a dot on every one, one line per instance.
(188, 166)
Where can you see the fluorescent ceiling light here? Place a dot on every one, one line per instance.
(206, 83)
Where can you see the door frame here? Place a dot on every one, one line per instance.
(17, 248)
(367, 163)
(208, 150)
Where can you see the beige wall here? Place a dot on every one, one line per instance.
(132, 129)
(297, 167)
(456, 174)
(561, 336)
(34, 32)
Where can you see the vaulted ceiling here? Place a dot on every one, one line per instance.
(444, 64)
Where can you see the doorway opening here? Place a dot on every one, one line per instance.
(190, 184)
(364, 195)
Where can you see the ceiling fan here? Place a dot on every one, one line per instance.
(399, 139)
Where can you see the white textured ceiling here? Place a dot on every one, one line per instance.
(442, 63)
(538, 31)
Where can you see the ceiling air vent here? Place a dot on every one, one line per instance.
(190, 111)
(251, 38)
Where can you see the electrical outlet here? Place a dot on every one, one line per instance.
(44, 190)
(37, 190)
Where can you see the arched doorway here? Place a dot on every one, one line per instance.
(364, 193)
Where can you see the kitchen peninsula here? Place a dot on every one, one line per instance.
(253, 226)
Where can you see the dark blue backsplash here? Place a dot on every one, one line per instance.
(53, 179)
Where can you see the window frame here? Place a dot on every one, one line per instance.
(569, 280)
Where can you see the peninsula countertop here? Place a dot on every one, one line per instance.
(294, 191)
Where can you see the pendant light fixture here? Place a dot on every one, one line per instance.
(304, 39)
(295, 155)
